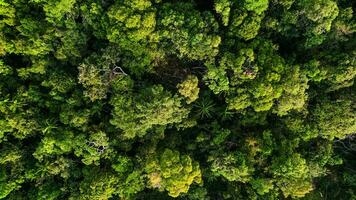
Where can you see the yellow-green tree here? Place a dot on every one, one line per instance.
(189, 88)
(172, 172)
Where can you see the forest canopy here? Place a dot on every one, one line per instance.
(177, 99)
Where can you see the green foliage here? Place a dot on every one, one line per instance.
(343, 26)
(56, 10)
(222, 7)
(312, 19)
(131, 25)
(335, 119)
(344, 74)
(92, 149)
(216, 79)
(296, 188)
(151, 107)
(198, 100)
(135, 20)
(97, 184)
(256, 6)
(233, 167)
(192, 33)
(173, 172)
(293, 166)
(262, 186)
(130, 186)
(321, 13)
(244, 25)
(7, 12)
(4, 69)
(189, 89)
(294, 95)
(11, 170)
(204, 107)
(260, 79)
(293, 175)
(55, 144)
(123, 164)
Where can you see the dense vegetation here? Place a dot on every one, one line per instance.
(185, 99)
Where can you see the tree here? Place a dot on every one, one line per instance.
(321, 13)
(335, 119)
(11, 170)
(97, 184)
(256, 6)
(55, 144)
(151, 107)
(56, 10)
(136, 18)
(196, 40)
(198, 100)
(231, 166)
(92, 148)
(294, 95)
(262, 186)
(131, 25)
(189, 88)
(244, 25)
(293, 175)
(255, 80)
(222, 7)
(173, 172)
(311, 20)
